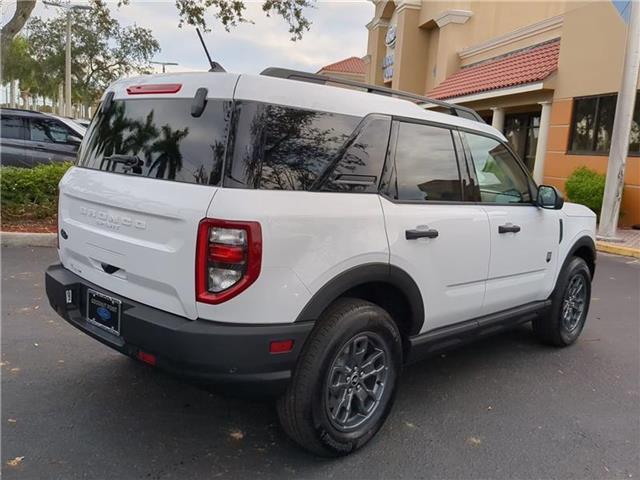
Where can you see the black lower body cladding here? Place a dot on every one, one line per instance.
(236, 357)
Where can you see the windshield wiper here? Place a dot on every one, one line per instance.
(132, 162)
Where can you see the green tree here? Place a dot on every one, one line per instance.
(198, 13)
(18, 64)
(101, 51)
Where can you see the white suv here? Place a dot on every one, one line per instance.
(282, 234)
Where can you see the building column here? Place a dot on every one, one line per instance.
(410, 59)
(541, 147)
(497, 120)
(376, 50)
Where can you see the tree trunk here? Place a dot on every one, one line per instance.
(12, 94)
(20, 17)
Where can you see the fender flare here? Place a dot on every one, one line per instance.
(360, 275)
(583, 241)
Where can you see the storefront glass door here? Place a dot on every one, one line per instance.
(521, 130)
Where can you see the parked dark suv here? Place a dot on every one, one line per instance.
(29, 138)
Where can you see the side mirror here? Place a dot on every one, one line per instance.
(549, 197)
(73, 140)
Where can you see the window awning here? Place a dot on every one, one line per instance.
(531, 65)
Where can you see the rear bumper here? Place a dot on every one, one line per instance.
(235, 357)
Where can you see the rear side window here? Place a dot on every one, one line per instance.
(12, 127)
(159, 139)
(284, 148)
(426, 166)
(359, 167)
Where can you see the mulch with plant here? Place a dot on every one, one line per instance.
(29, 197)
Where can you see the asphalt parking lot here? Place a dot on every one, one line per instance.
(503, 408)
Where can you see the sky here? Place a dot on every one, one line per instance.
(338, 31)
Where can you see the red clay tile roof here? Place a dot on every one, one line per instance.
(519, 68)
(353, 65)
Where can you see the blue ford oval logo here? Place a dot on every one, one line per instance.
(103, 313)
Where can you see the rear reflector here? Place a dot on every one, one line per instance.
(152, 88)
(147, 357)
(281, 346)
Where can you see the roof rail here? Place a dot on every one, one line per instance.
(450, 108)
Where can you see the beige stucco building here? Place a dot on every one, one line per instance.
(545, 73)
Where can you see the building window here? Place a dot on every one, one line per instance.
(592, 125)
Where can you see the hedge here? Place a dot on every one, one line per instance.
(30, 193)
(586, 187)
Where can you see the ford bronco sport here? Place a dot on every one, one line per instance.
(281, 233)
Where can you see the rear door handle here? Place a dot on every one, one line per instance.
(414, 234)
(508, 228)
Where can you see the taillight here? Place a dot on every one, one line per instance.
(228, 258)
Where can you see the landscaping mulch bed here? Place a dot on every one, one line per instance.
(47, 225)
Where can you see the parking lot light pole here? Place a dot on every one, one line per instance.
(164, 64)
(67, 60)
(614, 186)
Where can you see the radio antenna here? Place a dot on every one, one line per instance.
(215, 66)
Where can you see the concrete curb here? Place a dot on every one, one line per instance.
(618, 250)
(19, 239)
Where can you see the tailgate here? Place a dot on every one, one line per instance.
(133, 236)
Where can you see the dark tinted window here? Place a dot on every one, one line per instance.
(48, 131)
(12, 127)
(592, 125)
(500, 178)
(360, 166)
(584, 117)
(634, 135)
(426, 165)
(159, 139)
(284, 148)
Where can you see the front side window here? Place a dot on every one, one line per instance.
(284, 148)
(12, 127)
(48, 131)
(499, 176)
(592, 125)
(158, 138)
(426, 167)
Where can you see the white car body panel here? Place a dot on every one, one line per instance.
(308, 238)
(519, 271)
(451, 270)
(145, 227)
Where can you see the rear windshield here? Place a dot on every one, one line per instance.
(159, 139)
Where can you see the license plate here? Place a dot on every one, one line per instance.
(104, 311)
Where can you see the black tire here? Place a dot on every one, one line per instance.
(308, 409)
(555, 328)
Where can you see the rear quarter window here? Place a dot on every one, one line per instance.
(168, 142)
(284, 148)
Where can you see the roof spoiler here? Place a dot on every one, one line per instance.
(450, 108)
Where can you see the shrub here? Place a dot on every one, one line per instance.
(30, 193)
(586, 187)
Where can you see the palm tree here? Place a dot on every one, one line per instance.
(168, 146)
(141, 134)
